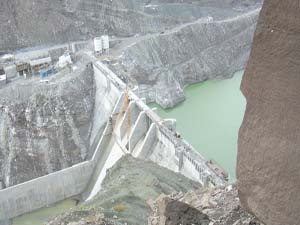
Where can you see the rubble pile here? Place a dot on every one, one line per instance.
(220, 206)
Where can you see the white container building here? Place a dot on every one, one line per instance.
(98, 45)
(64, 61)
(10, 71)
(105, 42)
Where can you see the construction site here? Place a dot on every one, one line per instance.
(78, 118)
(101, 122)
(129, 126)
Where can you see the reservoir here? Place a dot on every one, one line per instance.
(210, 118)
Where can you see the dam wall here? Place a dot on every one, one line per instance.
(161, 144)
(106, 97)
(140, 132)
(49, 189)
(44, 191)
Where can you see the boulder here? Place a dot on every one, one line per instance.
(173, 212)
(268, 168)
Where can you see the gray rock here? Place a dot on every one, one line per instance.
(45, 127)
(162, 65)
(219, 204)
(30, 23)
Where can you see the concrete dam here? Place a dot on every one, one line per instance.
(128, 127)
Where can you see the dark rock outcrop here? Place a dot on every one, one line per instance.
(269, 140)
(174, 212)
(217, 206)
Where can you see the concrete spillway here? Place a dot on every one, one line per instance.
(148, 137)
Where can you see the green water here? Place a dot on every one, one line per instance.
(41, 216)
(210, 119)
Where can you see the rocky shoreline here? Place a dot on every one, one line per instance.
(162, 65)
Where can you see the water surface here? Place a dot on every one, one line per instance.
(41, 216)
(210, 119)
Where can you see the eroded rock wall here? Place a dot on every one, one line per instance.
(269, 139)
(29, 23)
(162, 65)
(45, 127)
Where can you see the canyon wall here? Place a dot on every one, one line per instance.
(162, 65)
(29, 23)
(45, 127)
(269, 139)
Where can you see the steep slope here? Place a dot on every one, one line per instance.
(45, 127)
(162, 65)
(28, 22)
(136, 192)
(268, 151)
(127, 187)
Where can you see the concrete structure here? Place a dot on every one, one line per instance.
(64, 60)
(105, 43)
(98, 45)
(10, 71)
(40, 63)
(23, 69)
(2, 84)
(148, 137)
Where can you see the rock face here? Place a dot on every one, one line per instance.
(45, 127)
(172, 44)
(269, 140)
(219, 206)
(172, 212)
(28, 22)
(163, 64)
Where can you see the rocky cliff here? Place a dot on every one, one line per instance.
(163, 64)
(45, 127)
(29, 23)
(268, 150)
